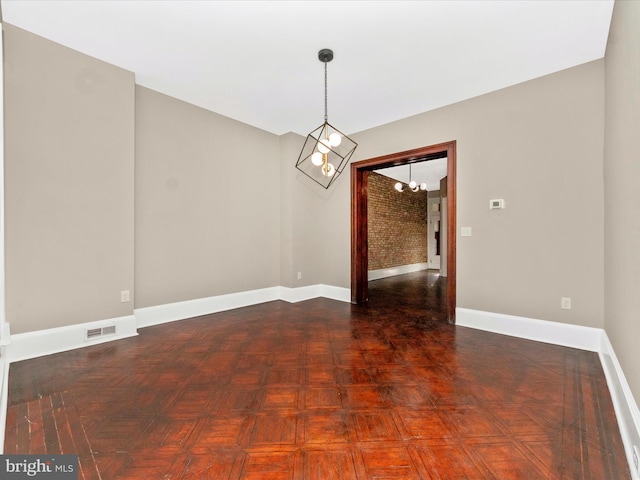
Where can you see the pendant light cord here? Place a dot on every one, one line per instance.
(325, 94)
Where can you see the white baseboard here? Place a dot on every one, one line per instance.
(393, 271)
(4, 395)
(55, 340)
(583, 338)
(574, 336)
(172, 312)
(626, 408)
(335, 293)
(300, 294)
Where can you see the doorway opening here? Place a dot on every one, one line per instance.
(359, 221)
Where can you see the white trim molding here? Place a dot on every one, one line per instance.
(299, 294)
(4, 331)
(28, 345)
(574, 336)
(172, 312)
(4, 395)
(399, 270)
(340, 294)
(626, 408)
(4, 327)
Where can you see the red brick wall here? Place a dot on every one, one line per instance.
(397, 224)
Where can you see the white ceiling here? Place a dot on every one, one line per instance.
(429, 172)
(256, 61)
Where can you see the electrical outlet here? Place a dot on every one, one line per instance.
(565, 303)
(465, 231)
(636, 454)
(124, 296)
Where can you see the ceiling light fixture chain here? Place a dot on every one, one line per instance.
(325, 147)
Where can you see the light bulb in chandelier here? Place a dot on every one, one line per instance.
(335, 139)
(324, 145)
(423, 186)
(317, 159)
(398, 187)
(328, 170)
(413, 185)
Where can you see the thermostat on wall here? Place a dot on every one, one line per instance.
(496, 203)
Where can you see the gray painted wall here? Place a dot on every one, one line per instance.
(539, 146)
(622, 189)
(69, 160)
(207, 203)
(310, 221)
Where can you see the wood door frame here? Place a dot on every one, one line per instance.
(359, 221)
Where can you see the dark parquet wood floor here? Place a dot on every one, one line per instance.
(321, 390)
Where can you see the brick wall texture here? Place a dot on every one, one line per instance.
(397, 224)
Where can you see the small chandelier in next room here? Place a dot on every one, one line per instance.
(326, 150)
(413, 185)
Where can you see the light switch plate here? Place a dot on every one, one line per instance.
(465, 231)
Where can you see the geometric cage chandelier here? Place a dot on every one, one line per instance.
(326, 150)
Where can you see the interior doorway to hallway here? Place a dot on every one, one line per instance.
(359, 223)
